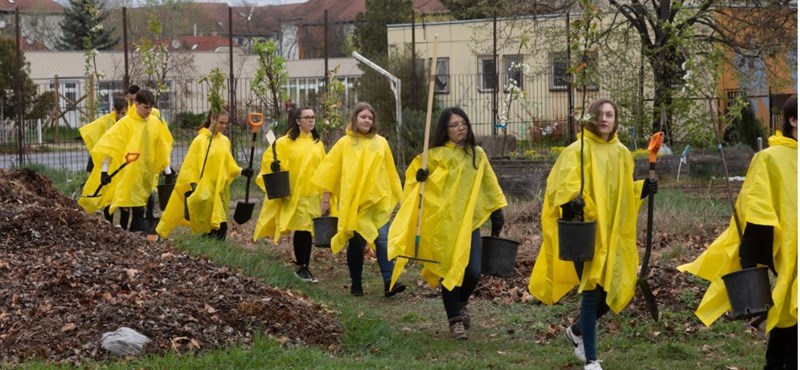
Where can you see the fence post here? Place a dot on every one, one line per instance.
(39, 131)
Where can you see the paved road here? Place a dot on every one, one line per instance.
(75, 159)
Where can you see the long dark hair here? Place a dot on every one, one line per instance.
(440, 135)
(789, 111)
(293, 131)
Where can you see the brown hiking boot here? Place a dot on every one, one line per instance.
(457, 328)
(464, 314)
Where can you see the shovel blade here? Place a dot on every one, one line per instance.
(243, 212)
(649, 298)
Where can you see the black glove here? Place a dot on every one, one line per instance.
(105, 179)
(422, 174)
(170, 179)
(573, 210)
(498, 220)
(275, 166)
(650, 187)
(247, 172)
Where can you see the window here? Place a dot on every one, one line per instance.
(559, 76)
(512, 69)
(442, 80)
(559, 69)
(486, 73)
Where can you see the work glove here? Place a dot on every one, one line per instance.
(275, 166)
(105, 179)
(650, 187)
(169, 178)
(247, 172)
(498, 220)
(422, 174)
(573, 210)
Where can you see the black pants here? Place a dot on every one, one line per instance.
(782, 348)
(124, 217)
(302, 247)
(453, 299)
(220, 233)
(138, 223)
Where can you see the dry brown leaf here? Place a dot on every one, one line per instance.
(68, 327)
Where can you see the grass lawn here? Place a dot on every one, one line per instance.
(409, 331)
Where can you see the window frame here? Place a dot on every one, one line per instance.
(482, 76)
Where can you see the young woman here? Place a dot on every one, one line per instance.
(300, 152)
(359, 170)
(767, 209)
(91, 134)
(208, 169)
(612, 199)
(461, 193)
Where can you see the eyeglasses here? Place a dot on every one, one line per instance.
(457, 124)
(308, 118)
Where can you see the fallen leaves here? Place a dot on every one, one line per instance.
(68, 277)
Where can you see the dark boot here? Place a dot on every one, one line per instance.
(398, 288)
(457, 330)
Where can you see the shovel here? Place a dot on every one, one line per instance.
(130, 157)
(431, 80)
(244, 210)
(649, 298)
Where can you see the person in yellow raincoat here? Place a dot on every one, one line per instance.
(612, 199)
(461, 193)
(767, 209)
(92, 132)
(300, 152)
(137, 132)
(359, 171)
(208, 169)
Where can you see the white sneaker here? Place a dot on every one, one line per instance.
(594, 365)
(577, 344)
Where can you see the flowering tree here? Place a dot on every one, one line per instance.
(331, 107)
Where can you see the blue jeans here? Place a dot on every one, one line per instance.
(472, 275)
(593, 307)
(355, 256)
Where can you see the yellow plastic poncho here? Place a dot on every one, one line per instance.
(131, 187)
(458, 199)
(768, 197)
(92, 132)
(613, 200)
(208, 205)
(300, 157)
(359, 170)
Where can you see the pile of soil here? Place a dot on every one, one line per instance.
(67, 277)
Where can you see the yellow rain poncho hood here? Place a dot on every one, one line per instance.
(768, 197)
(300, 157)
(613, 200)
(359, 170)
(92, 132)
(458, 199)
(131, 187)
(208, 205)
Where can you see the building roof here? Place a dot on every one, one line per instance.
(70, 65)
(197, 43)
(31, 6)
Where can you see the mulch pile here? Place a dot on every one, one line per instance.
(67, 277)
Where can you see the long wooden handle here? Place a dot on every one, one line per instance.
(428, 113)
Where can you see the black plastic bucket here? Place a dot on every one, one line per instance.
(324, 229)
(277, 184)
(498, 256)
(576, 240)
(164, 191)
(749, 292)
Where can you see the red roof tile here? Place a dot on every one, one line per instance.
(339, 11)
(31, 6)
